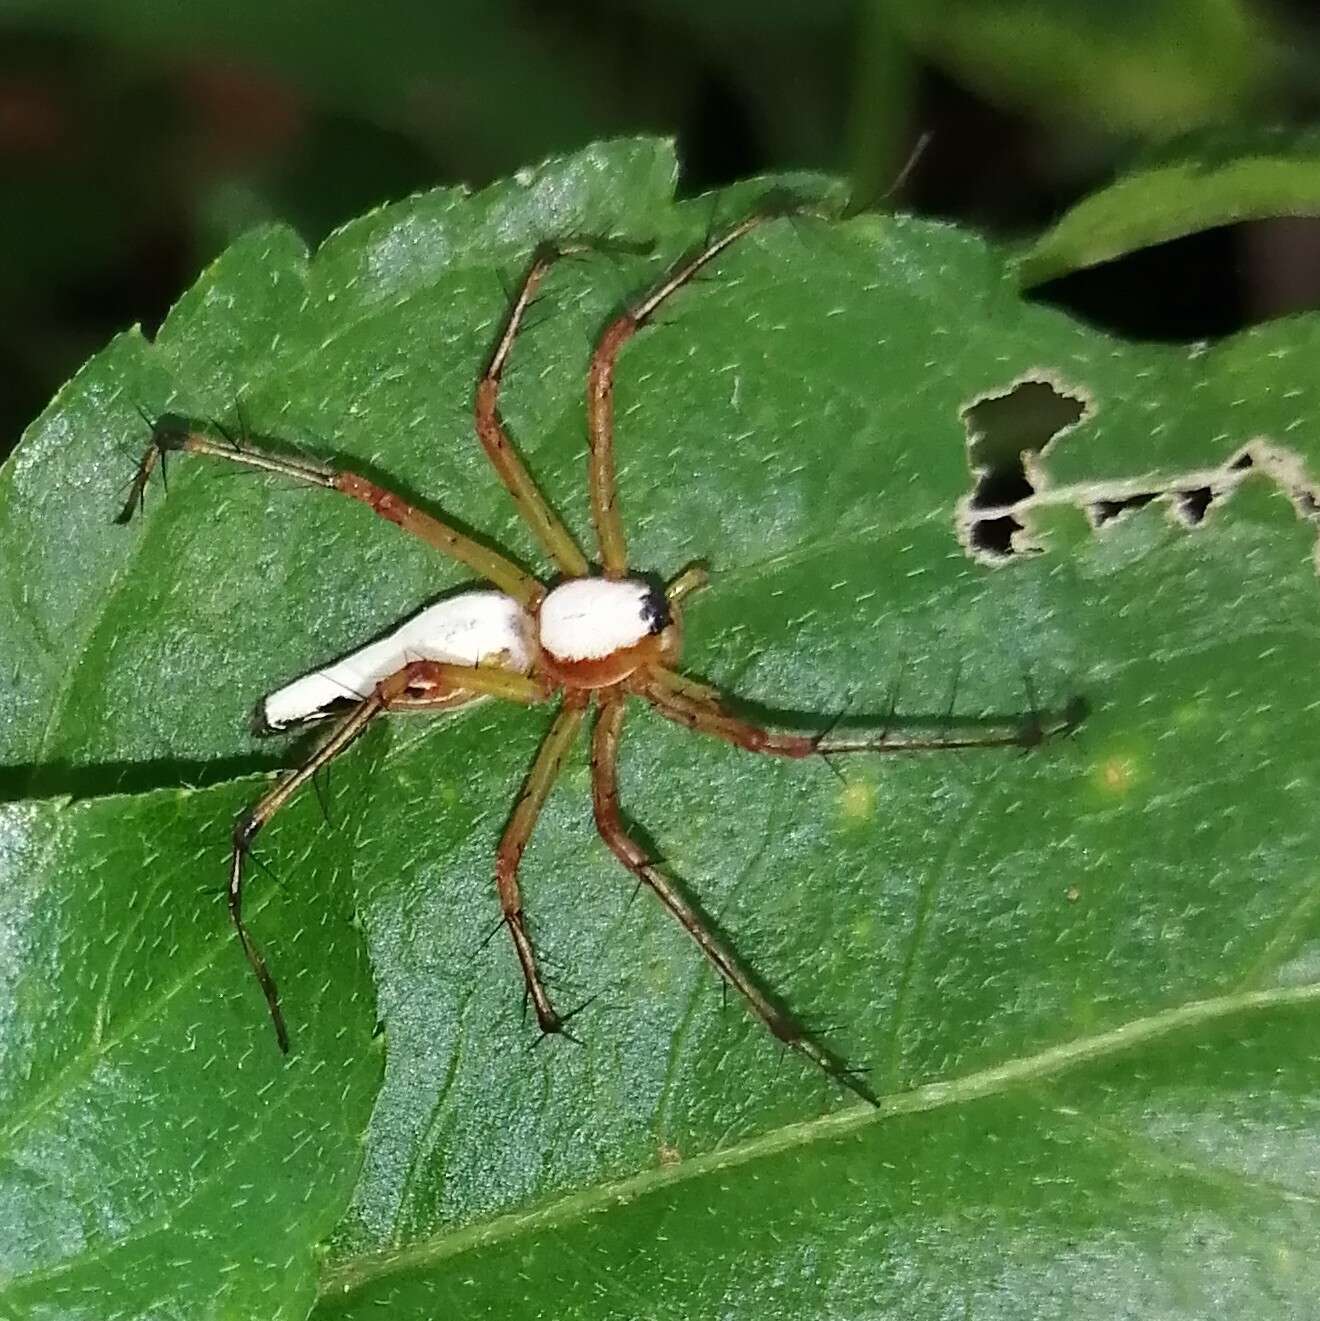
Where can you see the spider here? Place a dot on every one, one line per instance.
(593, 636)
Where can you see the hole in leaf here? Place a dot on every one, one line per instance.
(1105, 511)
(1004, 431)
(1193, 504)
(994, 536)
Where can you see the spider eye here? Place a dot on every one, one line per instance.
(655, 611)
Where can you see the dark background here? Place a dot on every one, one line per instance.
(137, 138)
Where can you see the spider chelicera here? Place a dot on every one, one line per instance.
(598, 635)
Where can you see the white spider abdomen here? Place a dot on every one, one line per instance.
(591, 618)
(473, 628)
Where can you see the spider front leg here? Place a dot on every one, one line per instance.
(417, 685)
(176, 434)
(609, 821)
(545, 770)
(600, 397)
(548, 528)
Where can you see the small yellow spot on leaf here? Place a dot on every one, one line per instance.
(1072, 894)
(659, 974)
(857, 801)
(670, 1155)
(1117, 774)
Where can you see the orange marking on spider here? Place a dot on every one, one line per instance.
(593, 639)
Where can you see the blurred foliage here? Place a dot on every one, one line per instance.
(1193, 184)
(1142, 66)
(137, 139)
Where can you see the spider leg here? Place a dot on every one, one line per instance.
(549, 761)
(609, 821)
(600, 395)
(173, 433)
(699, 707)
(549, 529)
(465, 683)
(418, 676)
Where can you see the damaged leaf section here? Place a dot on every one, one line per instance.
(1105, 511)
(1192, 496)
(1006, 433)
(1009, 432)
(1193, 505)
(1190, 505)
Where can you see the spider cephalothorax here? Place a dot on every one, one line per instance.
(599, 635)
(595, 632)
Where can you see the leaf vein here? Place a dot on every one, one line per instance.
(356, 1273)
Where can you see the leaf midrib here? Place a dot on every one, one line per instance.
(356, 1273)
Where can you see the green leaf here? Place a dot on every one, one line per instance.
(1084, 980)
(158, 1156)
(1196, 183)
(1148, 67)
(391, 70)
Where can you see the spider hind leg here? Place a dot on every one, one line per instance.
(610, 823)
(699, 707)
